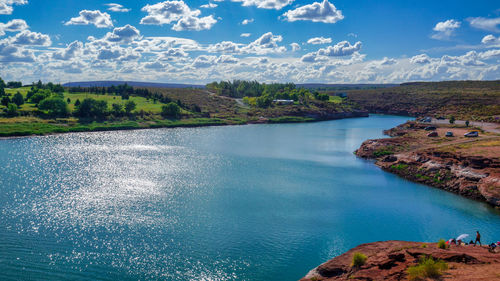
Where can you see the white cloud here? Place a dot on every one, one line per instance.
(343, 48)
(209, 6)
(177, 13)
(245, 34)
(266, 4)
(319, 40)
(295, 47)
(113, 7)
(420, 59)
(6, 6)
(267, 43)
(444, 30)
(123, 34)
(72, 50)
(96, 17)
(247, 21)
(324, 12)
(490, 39)
(340, 49)
(13, 26)
(27, 37)
(485, 23)
(227, 59)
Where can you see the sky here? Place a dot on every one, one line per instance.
(200, 41)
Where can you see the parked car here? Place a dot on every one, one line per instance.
(473, 134)
(430, 128)
(449, 134)
(426, 120)
(440, 118)
(432, 134)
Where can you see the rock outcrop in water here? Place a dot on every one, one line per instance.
(467, 167)
(390, 260)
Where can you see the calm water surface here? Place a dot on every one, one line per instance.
(216, 203)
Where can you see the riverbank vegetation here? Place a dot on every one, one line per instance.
(464, 100)
(43, 108)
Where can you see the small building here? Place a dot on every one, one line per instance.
(283, 102)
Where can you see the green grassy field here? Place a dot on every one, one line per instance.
(142, 103)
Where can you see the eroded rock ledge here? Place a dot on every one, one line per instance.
(469, 167)
(389, 260)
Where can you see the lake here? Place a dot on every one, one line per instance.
(216, 203)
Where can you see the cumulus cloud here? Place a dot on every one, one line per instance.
(444, 30)
(324, 12)
(27, 37)
(227, 59)
(488, 24)
(245, 34)
(10, 53)
(340, 49)
(490, 39)
(267, 43)
(177, 13)
(96, 17)
(295, 47)
(113, 7)
(319, 40)
(266, 4)
(123, 34)
(247, 21)
(13, 26)
(209, 6)
(6, 6)
(343, 48)
(420, 59)
(70, 52)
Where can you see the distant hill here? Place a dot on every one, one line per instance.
(131, 83)
(341, 87)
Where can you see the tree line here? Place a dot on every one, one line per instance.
(49, 101)
(263, 95)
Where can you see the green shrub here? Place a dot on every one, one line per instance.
(383, 151)
(171, 109)
(441, 244)
(358, 259)
(427, 268)
(400, 167)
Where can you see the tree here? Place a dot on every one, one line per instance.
(14, 84)
(452, 119)
(68, 100)
(264, 101)
(77, 102)
(2, 83)
(39, 95)
(117, 109)
(130, 106)
(171, 109)
(18, 99)
(92, 108)
(5, 101)
(467, 123)
(54, 106)
(12, 109)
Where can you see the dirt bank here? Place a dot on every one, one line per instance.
(390, 260)
(466, 166)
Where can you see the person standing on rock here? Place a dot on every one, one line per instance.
(478, 239)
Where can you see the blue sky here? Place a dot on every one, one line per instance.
(328, 41)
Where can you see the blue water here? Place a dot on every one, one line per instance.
(253, 202)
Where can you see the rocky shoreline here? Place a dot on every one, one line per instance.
(443, 164)
(390, 260)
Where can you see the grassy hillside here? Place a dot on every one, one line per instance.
(466, 100)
